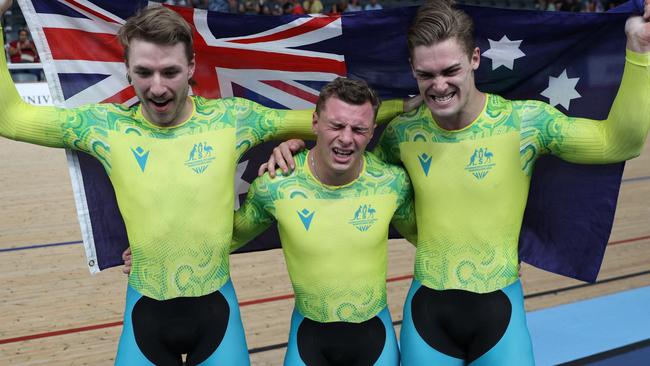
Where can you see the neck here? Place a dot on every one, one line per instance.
(182, 116)
(326, 176)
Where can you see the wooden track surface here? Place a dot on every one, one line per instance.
(53, 312)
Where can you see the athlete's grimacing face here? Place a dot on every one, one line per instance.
(343, 131)
(445, 76)
(160, 75)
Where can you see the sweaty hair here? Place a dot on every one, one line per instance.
(355, 92)
(437, 21)
(159, 25)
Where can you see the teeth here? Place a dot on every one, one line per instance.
(342, 152)
(442, 99)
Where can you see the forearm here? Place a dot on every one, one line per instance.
(627, 125)
(622, 135)
(245, 229)
(24, 122)
(389, 109)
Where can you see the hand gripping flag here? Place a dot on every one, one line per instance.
(572, 61)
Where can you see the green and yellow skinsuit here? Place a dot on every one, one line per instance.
(334, 238)
(335, 243)
(174, 186)
(472, 184)
(472, 187)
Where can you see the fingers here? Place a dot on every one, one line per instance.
(262, 169)
(126, 257)
(282, 158)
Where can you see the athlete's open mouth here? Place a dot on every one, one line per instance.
(160, 103)
(442, 98)
(342, 152)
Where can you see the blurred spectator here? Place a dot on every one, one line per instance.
(312, 6)
(373, 5)
(297, 8)
(287, 8)
(353, 5)
(185, 3)
(249, 7)
(225, 6)
(338, 8)
(23, 49)
(276, 9)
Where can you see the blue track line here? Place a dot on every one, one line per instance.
(635, 179)
(40, 246)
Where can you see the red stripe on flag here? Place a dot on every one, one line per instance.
(292, 90)
(93, 12)
(313, 24)
(122, 96)
(254, 59)
(65, 45)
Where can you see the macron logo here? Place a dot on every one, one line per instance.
(141, 157)
(305, 217)
(425, 162)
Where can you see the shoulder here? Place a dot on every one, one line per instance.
(379, 168)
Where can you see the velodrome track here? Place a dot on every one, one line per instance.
(53, 312)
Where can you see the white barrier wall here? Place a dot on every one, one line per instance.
(35, 93)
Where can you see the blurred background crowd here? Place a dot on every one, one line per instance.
(20, 48)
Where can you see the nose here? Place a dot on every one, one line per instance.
(346, 135)
(157, 86)
(439, 84)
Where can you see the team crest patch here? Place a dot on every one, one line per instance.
(364, 217)
(200, 157)
(425, 162)
(306, 216)
(480, 163)
(141, 156)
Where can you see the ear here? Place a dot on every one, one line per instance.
(475, 59)
(314, 122)
(191, 67)
(412, 69)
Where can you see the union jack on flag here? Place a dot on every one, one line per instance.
(572, 61)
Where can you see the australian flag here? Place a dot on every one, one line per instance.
(573, 61)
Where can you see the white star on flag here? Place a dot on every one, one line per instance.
(241, 186)
(503, 52)
(561, 90)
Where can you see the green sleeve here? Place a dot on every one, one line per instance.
(387, 148)
(620, 137)
(253, 217)
(389, 110)
(257, 124)
(404, 217)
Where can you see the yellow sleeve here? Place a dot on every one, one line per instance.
(622, 135)
(252, 218)
(389, 110)
(23, 122)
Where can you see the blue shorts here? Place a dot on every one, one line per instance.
(372, 342)
(455, 328)
(208, 329)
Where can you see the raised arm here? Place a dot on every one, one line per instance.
(622, 135)
(47, 126)
(252, 218)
